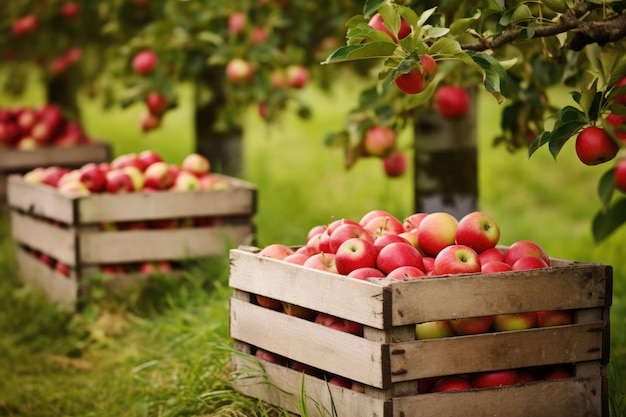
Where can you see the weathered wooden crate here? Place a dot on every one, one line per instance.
(69, 229)
(388, 360)
(15, 161)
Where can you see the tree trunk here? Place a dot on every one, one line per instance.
(223, 148)
(446, 163)
(62, 91)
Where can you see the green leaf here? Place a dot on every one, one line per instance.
(606, 222)
(560, 135)
(606, 186)
(371, 7)
(541, 140)
(445, 46)
(437, 32)
(494, 75)
(459, 26)
(369, 50)
(425, 16)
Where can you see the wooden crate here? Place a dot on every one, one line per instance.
(389, 361)
(69, 229)
(15, 161)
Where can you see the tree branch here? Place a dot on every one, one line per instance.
(585, 33)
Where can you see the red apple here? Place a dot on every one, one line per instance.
(322, 261)
(237, 23)
(491, 267)
(557, 372)
(517, 321)
(365, 273)
(93, 177)
(149, 157)
(196, 164)
(491, 254)
(451, 383)
(554, 318)
(413, 221)
(436, 231)
(594, 146)
(372, 214)
(52, 175)
(398, 254)
(383, 240)
(355, 253)
(395, 164)
(471, 325)
(144, 62)
(239, 71)
(477, 230)
(297, 258)
(25, 25)
(379, 141)
(258, 34)
(411, 82)
(340, 381)
(456, 259)
(523, 248)
(525, 376)
(136, 175)
(433, 330)
(156, 102)
(402, 273)
(117, 181)
(319, 228)
(429, 67)
(345, 232)
(128, 159)
(297, 76)
(384, 225)
(429, 264)
(270, 357)
(158, 176)
(377, 22)
(70, 10)
(62, 269)
(299, 311)
(149, 121)
(494, 378)
(276, 251)
(452, 102)
(529, 262)
(619, 176)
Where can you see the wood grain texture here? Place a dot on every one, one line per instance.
(12, 160)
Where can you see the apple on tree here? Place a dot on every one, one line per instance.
(452, 102)
(144, 62)
(377, 22)
(395, 164)
(594, 146)
(379, 141)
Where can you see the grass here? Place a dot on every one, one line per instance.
(164, 351)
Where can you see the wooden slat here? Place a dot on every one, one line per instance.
(282, 387)
(240, 199)
(568, 287)
(40, 200)
(145, 245)
(500, 350)
(334, 351)
(12, 160)
(55, 241)
(58, 288)
(3, 187)
(344, 297)
(572, 397)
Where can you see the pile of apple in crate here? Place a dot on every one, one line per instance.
(41, 136)
(128, 218)
(425, 316)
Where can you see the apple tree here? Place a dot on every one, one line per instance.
(514, 50)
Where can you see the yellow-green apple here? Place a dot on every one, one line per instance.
(413, 221)
(136, 175)
(379, 141)
(397, 254)
(433, 330)
(411, 237)
(27, 143)
(456, 259)
(276, 251)
(516, 321)
(270, 357)
(395, 164)
(451, 383)
(117, 181)
(239, 71)
(471, 325)
(196, 164)
(452, 101)
(436, 231)
(491, 254)
(34, 176)
(522, 248)
(478, 230)
(347, 231)
(494, 266)
(554, 318)
(186, 181)
(72, 176)
(354, 253)
(158, 176)
(149, 157)
(144, 62)
(595, 146)
(529, 262)
(322, 261)
(383, 240)
(297, 76)
(93, 177)
(384, 225)
(619, 175)
(52, 175)
(365, 273)
(402, 273)
(490, 379)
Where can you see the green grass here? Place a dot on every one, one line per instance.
(164, 351)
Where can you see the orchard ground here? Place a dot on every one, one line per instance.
(164, 352)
